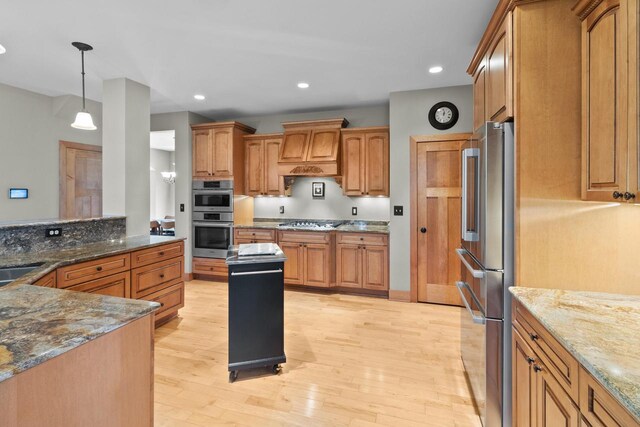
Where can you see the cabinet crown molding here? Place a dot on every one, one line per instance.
(219, 125)
(583, 8)
(263, 136)
(324, 123)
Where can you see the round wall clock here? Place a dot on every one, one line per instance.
(443, 115)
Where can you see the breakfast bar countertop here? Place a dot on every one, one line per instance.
(600, 330)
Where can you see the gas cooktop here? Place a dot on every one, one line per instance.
(312, 225)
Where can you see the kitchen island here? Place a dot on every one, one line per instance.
(583, 350)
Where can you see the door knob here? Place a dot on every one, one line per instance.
(423, 230)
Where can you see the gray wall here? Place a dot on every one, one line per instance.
(162, 200)
(335, 205)
(31, 125)
(408, 116)
(180, 122)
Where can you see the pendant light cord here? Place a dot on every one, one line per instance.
(84, 108)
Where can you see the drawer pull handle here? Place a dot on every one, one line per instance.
(98, 268)
(161, 304)
(162, 276)
(537, 368)
(533, 336)
(161, 253)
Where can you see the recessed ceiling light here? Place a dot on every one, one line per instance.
(435, 70)
(303, 85)
(199, 97)
(2, 49)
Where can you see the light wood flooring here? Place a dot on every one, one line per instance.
(351, 361)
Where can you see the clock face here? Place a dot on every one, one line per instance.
(444, 115)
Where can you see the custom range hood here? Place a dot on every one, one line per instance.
(311, 148)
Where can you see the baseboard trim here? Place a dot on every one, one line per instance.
(187, 277)
(401, 296)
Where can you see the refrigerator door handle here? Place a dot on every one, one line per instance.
(480, 320)
(478, 274)
(468, 236)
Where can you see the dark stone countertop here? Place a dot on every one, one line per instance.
(37, 324)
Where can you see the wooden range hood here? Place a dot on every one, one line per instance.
(311, 148)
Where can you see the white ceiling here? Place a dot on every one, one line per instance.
(246, 56)
(163, 140)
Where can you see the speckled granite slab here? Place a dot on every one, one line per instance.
(37, 324)
(600, 330)
(29, 236)
(348, 226)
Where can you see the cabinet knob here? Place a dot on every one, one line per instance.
(162, 276)
(629, 196)
(530, 360)
(161, 254)
(537, 368)
(533, 336)
(617, 195)
(423, 230)
(98, 268)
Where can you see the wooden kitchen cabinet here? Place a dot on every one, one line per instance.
(479, 98)
(365, 161)
(47, 281)
(261, 165)
(362, 261)
(609, 126)
(117, 285)
(523, 389)
(219, 152)
(310, 258)
(253, 235)
(553, 405)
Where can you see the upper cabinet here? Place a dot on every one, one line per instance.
(609, 99)
(311, 148)
(219, 152)
(492, 72)
(365, 161)
(261, 165)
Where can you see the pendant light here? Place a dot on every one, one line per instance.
(83, 120)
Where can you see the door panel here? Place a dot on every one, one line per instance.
(295, 146)
(349, 266)
(523, 382)
(294, 265)
(353, 151)
(255, 162)
(377, 166)
(479, 98)
(374, 267)
(222, 153)
(317, 265)
(438, 168)
(80, 180)
(273, 182)
(202, 152)
(553, 404)
(324, 145)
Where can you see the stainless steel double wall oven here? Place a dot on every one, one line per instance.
(212, 218)
(487, 254)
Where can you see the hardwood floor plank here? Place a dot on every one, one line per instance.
(351, 361)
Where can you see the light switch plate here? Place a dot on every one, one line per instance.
(398, 210)
(354, 211)
(281, 209)
(181, 207)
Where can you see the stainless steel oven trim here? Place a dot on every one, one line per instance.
(469, 236)
(480, 320)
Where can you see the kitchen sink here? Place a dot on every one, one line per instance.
(9, 274)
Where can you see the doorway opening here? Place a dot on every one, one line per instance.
(162, 176)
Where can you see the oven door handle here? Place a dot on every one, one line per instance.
(478, 274)
(480, 320)
(213, 224)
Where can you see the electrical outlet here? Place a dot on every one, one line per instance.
(181, 207)
(354, 211)
(53, 232)
(281, 209)
(397, 210)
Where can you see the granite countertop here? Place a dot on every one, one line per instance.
(348, 226)
(600, 330)
(54, 221)
(37, 323)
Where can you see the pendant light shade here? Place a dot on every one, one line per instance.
(83, 120)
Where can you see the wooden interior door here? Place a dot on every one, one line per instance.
(438, 165)
(80, 180)
(222, 153)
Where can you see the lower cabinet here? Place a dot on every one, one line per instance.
(47, 281)
(116, 285)
(310, 259)
(253, 235)
(549, 386)
(362, 261)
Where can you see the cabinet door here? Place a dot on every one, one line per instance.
(353, 164)
(202, 152)
(554, 407)
(349, 266)
(317, 265)
(479, 97)
(499, 78)
(523, 382)
(377, 164)
(48, 281)
(254, 159)
(294, 146)
(294, 265)
(375, 267)
(604, 148)
(222, 160)
(324, 145)
(116, 285)
(273, 182)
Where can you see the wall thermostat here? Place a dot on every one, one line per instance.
(18, 193)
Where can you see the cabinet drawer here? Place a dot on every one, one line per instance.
(210, 266)
(598, 407)
(116, 285)
(90, 270)
(304, 237)
(361, 239)
(171, 300)
(155, 254)
(560, 363)
(47, 281)
(151, 278)
(255, 234)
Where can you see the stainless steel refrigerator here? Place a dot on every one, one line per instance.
(487, 254)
